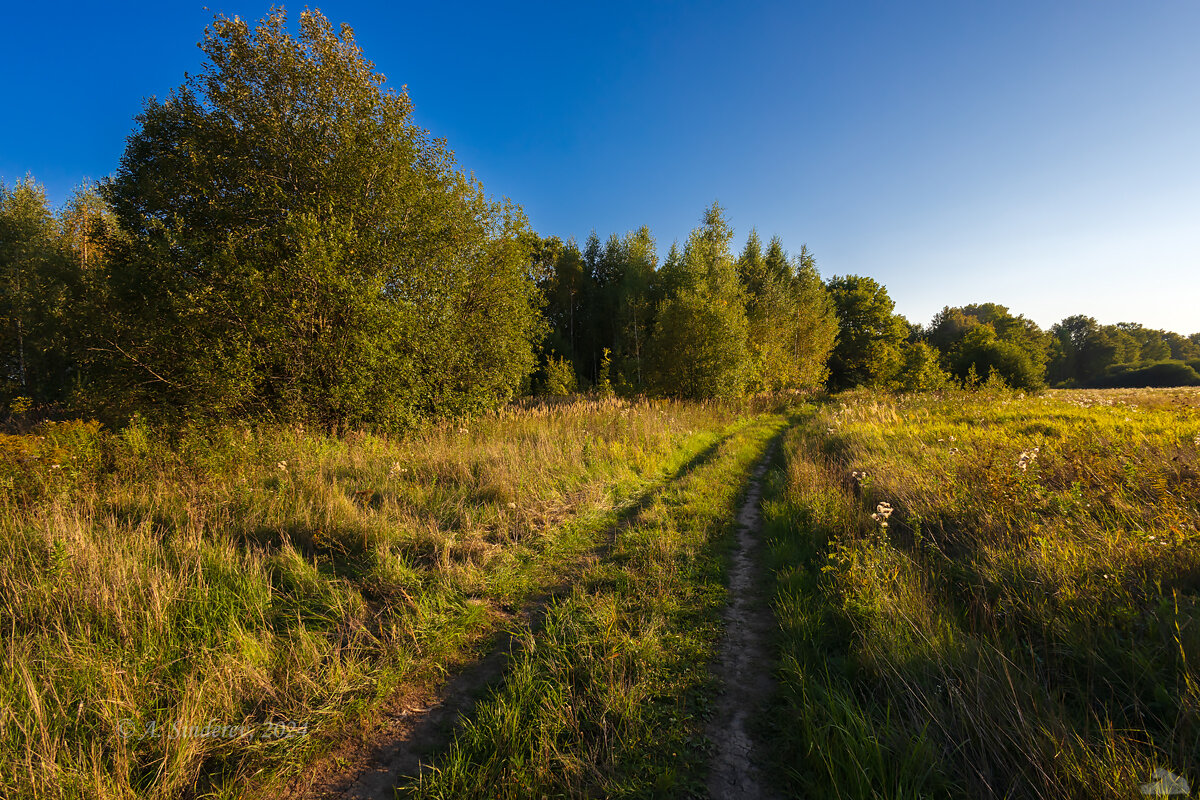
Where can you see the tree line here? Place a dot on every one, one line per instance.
(966, 345)
(280, 240)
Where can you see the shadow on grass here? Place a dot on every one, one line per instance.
(407, 739)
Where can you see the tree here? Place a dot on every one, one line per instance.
(919, 369)
(792, 326)
(816, 325)
(635, 314)
(981, 352)
(40, 284)
(869, 333)
(699, 344)
(1083, 350)
(960, 336)
(298, 247)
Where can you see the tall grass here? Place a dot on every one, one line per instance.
(609, 697)
(183, 613)
(1026, 623)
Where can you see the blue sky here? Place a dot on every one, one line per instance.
(1041, 155)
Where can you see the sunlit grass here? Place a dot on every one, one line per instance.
(609, 698)
(256, 575)
(1026, 624)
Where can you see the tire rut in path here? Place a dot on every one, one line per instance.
(744, 665)
(419, 721)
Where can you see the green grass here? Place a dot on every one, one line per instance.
(609, 697)
(250, 576)
(1013, 632)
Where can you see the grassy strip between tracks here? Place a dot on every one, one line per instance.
(608, 698)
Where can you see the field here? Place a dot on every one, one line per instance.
(282, 580)
(975, 594)
(1024, 624)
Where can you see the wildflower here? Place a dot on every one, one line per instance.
(882, 512)
(953, 451)
(282, 466)
(512, 505)
(397, 469)
(463, 430)
(1026, 458)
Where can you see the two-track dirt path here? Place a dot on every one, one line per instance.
(744, 666)
(416, 722)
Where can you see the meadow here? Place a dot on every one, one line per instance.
(278, 583)
(979, 593)
(987, 594)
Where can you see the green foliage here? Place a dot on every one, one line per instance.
(298, 247)
(699, 347)
(1086, 352)
(40, 286)
(982, 352)
(1159, 374)
(919, 369)
(600, 299)
(792, 324)
(869, 333)
(988, 337)
(559, 380)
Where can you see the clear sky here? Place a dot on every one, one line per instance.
(1043, 155)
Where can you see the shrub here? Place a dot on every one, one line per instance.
(1158, 374)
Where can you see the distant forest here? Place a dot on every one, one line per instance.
(281, 241)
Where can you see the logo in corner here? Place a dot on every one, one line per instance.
(1166, 783)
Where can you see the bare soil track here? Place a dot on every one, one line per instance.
(744, 666)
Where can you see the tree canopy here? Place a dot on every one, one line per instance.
(281, 240)
(870, 333)
(297, 246)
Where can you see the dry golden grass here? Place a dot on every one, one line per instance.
(1024, 626)
(257, 576)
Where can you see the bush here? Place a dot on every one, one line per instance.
(919, 370)
(1139, 376)
(982, 352)
(560, 378)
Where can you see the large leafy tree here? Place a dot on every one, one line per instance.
(296, 246)
(870, 333)
(984, 337)
(1083, 349)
